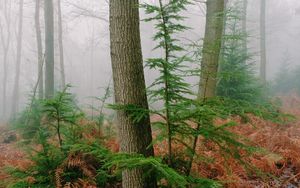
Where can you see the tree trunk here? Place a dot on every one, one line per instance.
(244, 25)
(263, 58)
(18, 62)
(5, 41)
(49, 48)
(60, 45)
(39, 49)
(129, 86)
(211, 48)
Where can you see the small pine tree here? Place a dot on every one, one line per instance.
(237, 79)
(62, 110)
(171, 85)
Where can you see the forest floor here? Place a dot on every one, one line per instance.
(282, 141)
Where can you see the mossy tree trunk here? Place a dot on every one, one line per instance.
(129, 86)
(211, 48)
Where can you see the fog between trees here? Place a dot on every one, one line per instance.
(86, 44)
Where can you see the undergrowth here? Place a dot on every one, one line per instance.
(64, 154)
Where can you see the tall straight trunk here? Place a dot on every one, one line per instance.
(60, 45)
(211, 48)
(5, 42)
(212, 55)
(18, 62)
(129, 87)
(39, 49)
(263, 58)
(49, 48)
(244, 25)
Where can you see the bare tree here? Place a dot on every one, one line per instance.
(49, 48)
(263, 58)
(129, 87)
(5, 32)
(18, 62)
(60, 45)
(39, 48)
(80, 11)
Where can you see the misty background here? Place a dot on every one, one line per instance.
(87, 52)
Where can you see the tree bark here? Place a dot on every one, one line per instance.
(39, 49)
(263, 58)
(18, 62)
(60, 45)
(129, 86)
(49, 48)
(211, 48)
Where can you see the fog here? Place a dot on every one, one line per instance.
(87, 52)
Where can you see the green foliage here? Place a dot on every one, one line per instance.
(29, 121)
(170, 86)
(237, 78)
(62, 110)
(239, 94)
(286, 79)
(45, 161)
(114, 164)
(39, 124)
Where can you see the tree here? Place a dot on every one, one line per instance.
(39, 49)
(211, 48)
(244, 24)
(129, 87)
(5, 42)
(18, 62)
(49, 48)
(60, 45)
(263, 58)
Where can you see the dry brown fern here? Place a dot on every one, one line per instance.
(84, 163)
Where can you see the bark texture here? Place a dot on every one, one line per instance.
(49, 48)
(211, 48)
(263, 57)
(129, 86)
(16, 89)
(39, 49)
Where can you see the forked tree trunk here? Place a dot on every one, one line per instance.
(49, 48)
(15, 101)
(263, 58)
(129, 86)
(61, 46)
(211, 48)
(39, 49)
